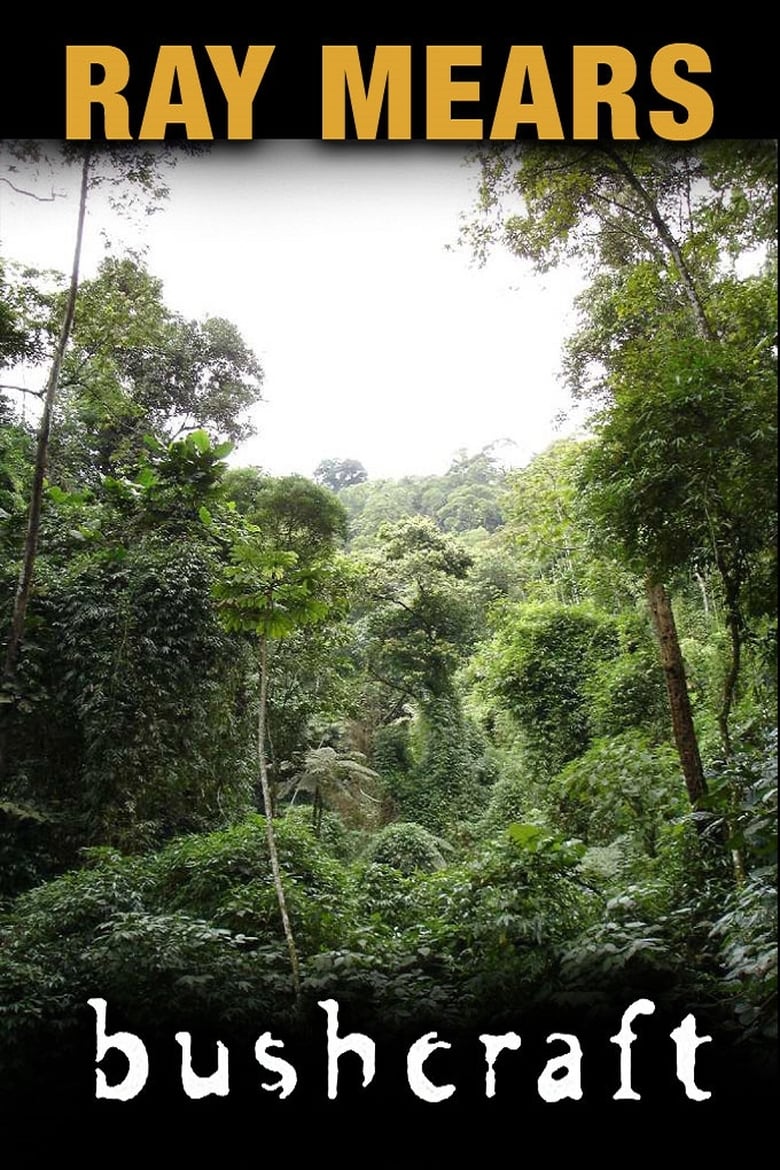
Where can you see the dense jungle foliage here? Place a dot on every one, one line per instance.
(453, 693)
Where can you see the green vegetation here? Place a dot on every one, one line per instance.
(447, 748)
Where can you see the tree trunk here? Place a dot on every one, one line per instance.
(730, 681)
(269, 824)
(677, 690)
(734, 627)
(16, 635)
(703, 326)
(731, 578)
(317, 812)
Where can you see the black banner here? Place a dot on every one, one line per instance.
(677, 80)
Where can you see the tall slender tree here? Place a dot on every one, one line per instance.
(22, 598)
(132, 172)
(661, 220)
(277, 583)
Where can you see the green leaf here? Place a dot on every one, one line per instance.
(528, 836)
(146, 477)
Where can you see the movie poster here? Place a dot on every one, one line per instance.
(302, 442)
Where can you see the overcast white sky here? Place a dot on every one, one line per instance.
(378, 343)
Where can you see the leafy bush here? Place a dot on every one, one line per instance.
(226, 878)
(511, 799)
(540, 666)
(747, 933)
(742, 799)
(450, 945)
(333, 837)
(159, 967)
(633, 950)
(628, 691)
(507, 909)
(408, 847)
(144, 728)
(620, 785)
(194, 928)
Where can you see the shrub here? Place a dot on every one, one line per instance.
(408, 847)
(620, 785)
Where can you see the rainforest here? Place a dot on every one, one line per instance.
(484, 754)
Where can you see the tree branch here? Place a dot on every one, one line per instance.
(30, 194)
(667, 239)
(21, 389)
